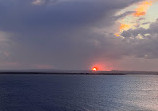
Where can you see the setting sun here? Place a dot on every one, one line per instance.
(94, 69)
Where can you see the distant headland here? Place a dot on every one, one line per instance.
(79, 72)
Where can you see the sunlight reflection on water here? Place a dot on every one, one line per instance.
(78, 93)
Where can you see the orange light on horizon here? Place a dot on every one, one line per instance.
(99, 66)
(94, 69)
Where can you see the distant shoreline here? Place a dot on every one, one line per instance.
(82, 73)
(62, 73)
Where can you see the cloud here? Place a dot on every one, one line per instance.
(42, 66)
(5, 44)
(4, 36)
(145, 47)
(123, 15)
(38, 2)
(49, 2)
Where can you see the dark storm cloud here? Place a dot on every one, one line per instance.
(61, 34)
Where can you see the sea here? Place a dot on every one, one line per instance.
(78, 92)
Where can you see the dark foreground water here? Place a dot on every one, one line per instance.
(78, 93)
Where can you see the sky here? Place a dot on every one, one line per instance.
(79, 34)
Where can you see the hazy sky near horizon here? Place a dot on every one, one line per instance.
(78, 34)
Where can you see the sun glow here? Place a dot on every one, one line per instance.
(100, 66)
(94, 69)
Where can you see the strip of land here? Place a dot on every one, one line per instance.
(82, 72)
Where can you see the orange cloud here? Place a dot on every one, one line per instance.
(142, 8)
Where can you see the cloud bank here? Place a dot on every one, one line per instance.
(70, 34)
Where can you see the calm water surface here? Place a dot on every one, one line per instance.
(78, 93)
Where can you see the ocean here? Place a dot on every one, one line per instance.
(78, 92)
